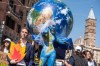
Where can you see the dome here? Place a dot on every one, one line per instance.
(79, 41)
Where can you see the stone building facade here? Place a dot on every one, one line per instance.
(90, 29)
(14, 14)
(89, 40)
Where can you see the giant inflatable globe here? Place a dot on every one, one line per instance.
(49, 12)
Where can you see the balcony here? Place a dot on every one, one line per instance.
(11, 33)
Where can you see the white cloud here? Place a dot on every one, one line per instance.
(64, 11)
(58, 21)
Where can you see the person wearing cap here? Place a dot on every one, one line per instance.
(77, 58)
(6, 45)
(78, 48)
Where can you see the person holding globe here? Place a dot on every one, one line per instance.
(47, 32)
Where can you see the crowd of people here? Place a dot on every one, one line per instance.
(78, 57)
(28, 60)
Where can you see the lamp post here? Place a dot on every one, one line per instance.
(1, 30)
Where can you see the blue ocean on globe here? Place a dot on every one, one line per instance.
(45, 13)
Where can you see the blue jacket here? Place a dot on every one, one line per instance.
(29, 57)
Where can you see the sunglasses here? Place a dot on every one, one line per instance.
(6, 42)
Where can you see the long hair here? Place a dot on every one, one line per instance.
(85, 53)
(2, 49)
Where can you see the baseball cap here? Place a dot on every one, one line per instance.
(78, 48)
(7, 39)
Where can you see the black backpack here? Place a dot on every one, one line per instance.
(79, 61)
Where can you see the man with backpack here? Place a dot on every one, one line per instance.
(77, 58)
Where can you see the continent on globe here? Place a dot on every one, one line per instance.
(50, 12)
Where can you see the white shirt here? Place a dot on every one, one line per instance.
(22, 62)
(23, 44)
(91, 63)
(5, 50)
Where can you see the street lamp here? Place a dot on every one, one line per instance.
(1, 29)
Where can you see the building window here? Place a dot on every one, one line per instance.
(10, 22)
(18, 28)
(21, 14)
(27, 13)
(23, 2)
(14, 8)
(28, 1)
(12, 5)
(24, 25)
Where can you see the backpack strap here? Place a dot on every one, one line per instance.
(95, 63)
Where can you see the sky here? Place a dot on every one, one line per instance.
(80, 10)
